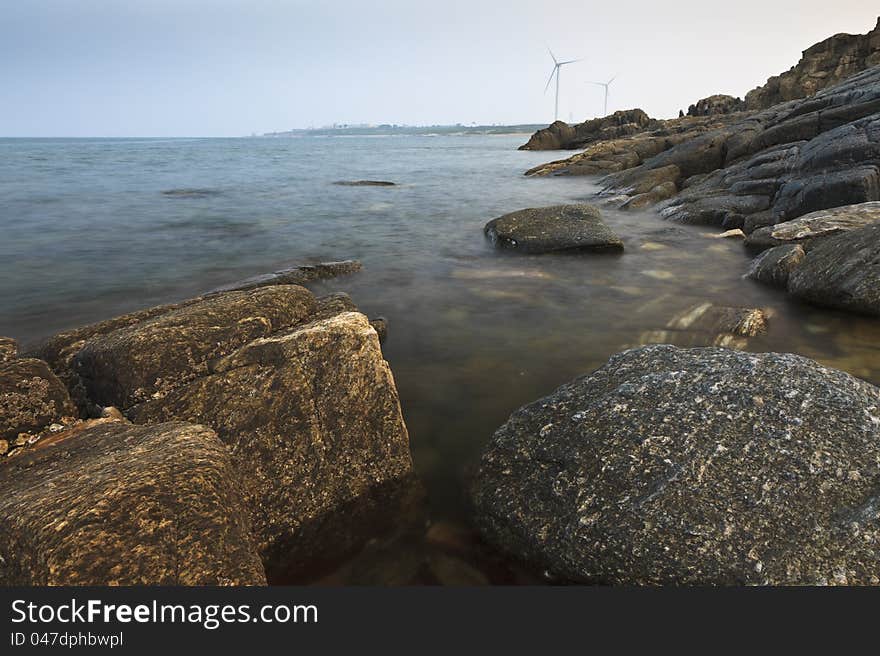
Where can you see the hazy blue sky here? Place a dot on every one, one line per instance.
(232, 67)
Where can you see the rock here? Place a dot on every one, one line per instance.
(699, 466)
(190, 193)
(125, 505)
(736, 233)
(31, 397)
(561, 136)
(299, 275)
(365, 183)
(816, 224)
(773, 267)
(4, 447)
(709, 318)
(705, 324)
(717, 104)
(767, 165)
(822, 65)
(553, 229)
(296, 387)
(145, 361)
(380, 325)
(842, 271)
(8, 349)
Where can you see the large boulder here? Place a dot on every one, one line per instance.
(117, 504)
(553, 229)
(691, 466)
(296, 386)
(31, 398)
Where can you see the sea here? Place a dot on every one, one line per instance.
(92, 228)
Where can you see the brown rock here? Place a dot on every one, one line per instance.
(313, 420)
(125, 505)
(31, 397)
(8, 349)
(148, 360)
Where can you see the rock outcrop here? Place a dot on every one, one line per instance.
(295, 386)
(778, 164)
(117, 504)
(553, 229)
(562, 136)
(815, 225)
(717, 104)
(822, 65)
(841, 272)
(691, 466)
(8, 349)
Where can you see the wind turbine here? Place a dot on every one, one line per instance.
(606, 85)
(556, 66)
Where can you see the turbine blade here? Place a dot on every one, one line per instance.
(552, 55)
(570, 61)
(612, 79)
(550, 79)
(601, 84)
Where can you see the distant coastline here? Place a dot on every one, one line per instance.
(386, 130)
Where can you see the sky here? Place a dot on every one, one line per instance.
(235, 67)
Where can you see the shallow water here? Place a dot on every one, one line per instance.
(86, 233)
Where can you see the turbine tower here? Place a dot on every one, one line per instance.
(556, 66)
(606, 85)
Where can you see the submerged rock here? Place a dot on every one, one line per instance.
(296, 386)
(31, 398)
(365, 183)
(691, 466)
(190, 193)
(553, 229)
(125, 505)
(706, 324)
(299, 275)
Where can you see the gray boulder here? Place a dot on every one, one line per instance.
(842, 272)
(553, 229)
(773, 267)
(691, 466)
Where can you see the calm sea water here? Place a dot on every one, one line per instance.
(86, 233)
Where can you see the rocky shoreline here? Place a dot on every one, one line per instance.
(254, 434)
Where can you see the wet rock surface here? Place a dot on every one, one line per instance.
(31, 398)
(773, 267)
(706, 324)
(553, 229)
(691, 466)
(117, 504)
